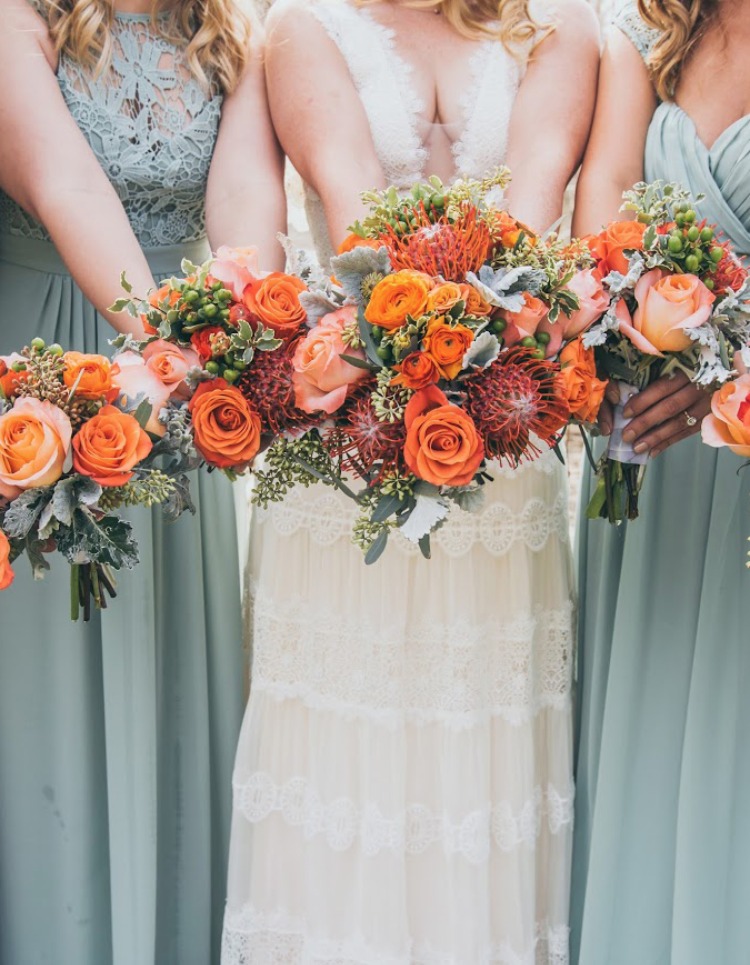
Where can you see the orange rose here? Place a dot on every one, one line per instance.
(417, 371)
(579, 386)
(728, 423)
(274, 301)
(610, 245)
(444, 297)
(475, 304)
(108, 447)
(10, 381)
(6, 573)
(404, 293)
(321, 377)
(508, 230)
(668, 307)
(89, 375)
(524, 324)
(225, 425)
(447, 344)
(34, 446)
(355, 241)
(442, 444)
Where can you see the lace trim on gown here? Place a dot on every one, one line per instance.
(630, 22)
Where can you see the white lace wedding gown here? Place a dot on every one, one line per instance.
(403, 789)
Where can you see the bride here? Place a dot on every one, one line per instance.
(403, 790)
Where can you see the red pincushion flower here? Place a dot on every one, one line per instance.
(515, 398)
(267, 383)
(364, 442)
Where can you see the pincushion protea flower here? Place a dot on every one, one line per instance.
(363, 441)
(268, 385)
(441, 248)
(514, 399)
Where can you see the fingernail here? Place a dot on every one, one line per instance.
(628, 435)
(640, 448)
(627, 412)
(606, 430)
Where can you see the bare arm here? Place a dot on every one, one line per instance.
(245, 202)
(552, 115)
(47, 166)
(318, 115)
(614, 157)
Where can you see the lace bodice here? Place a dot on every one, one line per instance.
(153, 129)
(384, 83)
(630, 22)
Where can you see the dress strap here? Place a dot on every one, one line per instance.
(630, 22)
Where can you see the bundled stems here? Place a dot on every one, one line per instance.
(90, 582)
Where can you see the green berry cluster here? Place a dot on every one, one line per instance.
(691, 246)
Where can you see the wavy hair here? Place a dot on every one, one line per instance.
(214, 33)
(509, 21)
(681, 24)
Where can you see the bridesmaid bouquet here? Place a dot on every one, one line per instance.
(680, 301)
(449, 336)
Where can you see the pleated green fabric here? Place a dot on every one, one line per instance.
(117, 737)
(662, 852)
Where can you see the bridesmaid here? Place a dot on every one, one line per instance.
(662, 860)
(127, 135)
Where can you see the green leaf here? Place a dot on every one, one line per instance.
(376, 548)
(387, 506)
(244, 330)
(125, 284)
(108, 541)
(365, 334)
(187, 267)
(23, 513)
(358, 363)
(424, 546)
(143, 413)
(119, 305)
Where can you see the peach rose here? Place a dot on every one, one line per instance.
(668, 306)
(171, 363)
(236, 268)
(321, 378)
(135, 381)
(89, 375)
(404, 293)
(353, 241)
(593, 302)
(474, 303)
(447, 344)
(525, 323)
(580, 388)
(728, 423)
(11, 381)
(444, 297)
(417, 371)
(108, 447)
(610, 245)
(226, 427)
(274, 301)
(6, 573)
(34, 446)
(442, 444)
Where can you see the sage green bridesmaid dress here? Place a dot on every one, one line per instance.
(117, 737)
(662, 854)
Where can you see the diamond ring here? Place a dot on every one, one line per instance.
(690, 419)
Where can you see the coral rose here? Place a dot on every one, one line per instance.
(593, 302)
(236, 268)
(610, 245)
(444, 297)
(108, 447)
(136, 382)
(274, 301)
(579, 386)
(447, 344)
(442, 445)
(474, 304)
(226, 427)
(321, 377)
(668, 306)
(417, 371)
(34, 446)
(404, 293)
(525, 323)
(89, 375)
(355, 241)
(728, 423)
(6, 573)
(11, 381)
(171, 363)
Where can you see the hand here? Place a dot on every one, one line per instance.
(660, 414)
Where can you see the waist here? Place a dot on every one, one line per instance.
(43, 256)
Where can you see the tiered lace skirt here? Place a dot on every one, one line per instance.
(403, 790)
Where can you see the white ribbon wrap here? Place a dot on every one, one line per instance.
(617, 449)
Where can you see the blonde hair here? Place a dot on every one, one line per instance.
(215, 35)
(509, 21)
(681, 24)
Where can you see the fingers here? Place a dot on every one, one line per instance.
(674, 430)
(669, 408)
(661, 389)
(606, 418)
(612, 392)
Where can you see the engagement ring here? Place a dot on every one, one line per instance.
(690, 419)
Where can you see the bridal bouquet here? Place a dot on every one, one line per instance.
(448, 337)
(83, 436)
(680, 301)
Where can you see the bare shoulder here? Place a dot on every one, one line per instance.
(23, 24)
(576, 25)
(291, 19)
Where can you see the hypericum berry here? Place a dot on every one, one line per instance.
(716, 255)
(694, 234)
(675, 243)
(707, 234)
(692, 263)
